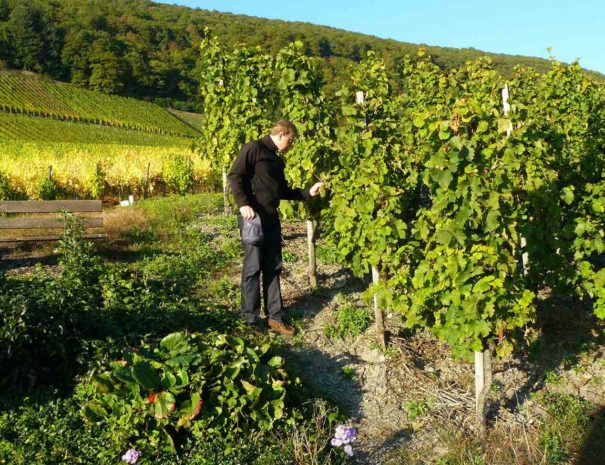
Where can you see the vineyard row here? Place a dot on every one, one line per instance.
(40, 97)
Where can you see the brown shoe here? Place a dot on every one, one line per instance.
(280, 327)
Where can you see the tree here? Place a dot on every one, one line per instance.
(76, 56)
(6, 51)
(108, 70)
(36, 41)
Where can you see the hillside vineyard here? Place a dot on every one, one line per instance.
(59, 140)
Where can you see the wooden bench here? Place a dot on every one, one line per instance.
(18, 207)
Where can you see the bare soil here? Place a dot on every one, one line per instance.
(384, 396)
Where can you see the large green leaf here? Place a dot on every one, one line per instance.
(174, 342)
(491, 221)
(146, 375)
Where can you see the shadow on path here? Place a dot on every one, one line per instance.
(593, 451)
(569, 329)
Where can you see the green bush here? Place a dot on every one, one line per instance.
(99, 183)
(46, 319)
(78, 263)
(52, 431)
(179, 175)
(48, 189)
(41, 318)
(327, 254)
(188, 386)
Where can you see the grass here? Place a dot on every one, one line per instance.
(552, 378)
(568, 418)
(326, 254)
(417, 408)
(348, 372)
(350, 321)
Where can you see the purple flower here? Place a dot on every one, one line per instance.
(347, 434)
(343, 436)
(131, 456)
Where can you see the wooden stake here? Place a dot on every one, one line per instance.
(188, 190)
(506, 109)
(312, 255)
(378, 318)
(524, 257)
(359, 99)
(483, 383)
(226, 204)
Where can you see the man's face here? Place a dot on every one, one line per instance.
(284, 142)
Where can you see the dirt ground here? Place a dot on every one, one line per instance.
(417, 369)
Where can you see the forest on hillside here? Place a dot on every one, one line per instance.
(148, 50)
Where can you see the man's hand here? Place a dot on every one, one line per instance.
(315, 189)
(247, 212)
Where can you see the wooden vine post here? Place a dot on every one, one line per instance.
(214, 144)
(483, 382)
(312, 253)
(483, 360)
(146, 191)
(378, 316)
(227, 211)
(226, 204)
(366, 203)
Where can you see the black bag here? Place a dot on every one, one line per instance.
(252, 231)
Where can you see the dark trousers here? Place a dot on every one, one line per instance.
(265, 260)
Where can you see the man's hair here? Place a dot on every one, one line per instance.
(284, 127)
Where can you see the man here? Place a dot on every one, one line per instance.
(258, 183)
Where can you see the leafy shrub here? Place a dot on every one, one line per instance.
(41, 318)
(98, 183)
(53, 432)
(179, 175)
(199, 385)
(327, 254)
(39, 323)
(78, 263)
(48, 189)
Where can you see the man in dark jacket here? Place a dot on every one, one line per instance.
(258, 183)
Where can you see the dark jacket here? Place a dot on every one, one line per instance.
(257, 178)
